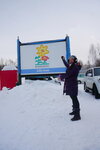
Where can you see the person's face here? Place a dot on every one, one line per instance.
(71, 60)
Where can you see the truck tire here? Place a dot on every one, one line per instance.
(79, 82)
(95, 91)
(85, 88)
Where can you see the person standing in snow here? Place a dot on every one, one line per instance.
(71, 84)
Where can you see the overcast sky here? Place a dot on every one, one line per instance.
(39, 20)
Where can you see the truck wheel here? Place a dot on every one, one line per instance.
(95, 91)
(79, 82)
(85, 88)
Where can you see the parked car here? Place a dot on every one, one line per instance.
(92, 81)
(81, 78)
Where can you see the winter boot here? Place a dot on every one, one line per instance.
(76, 117)
(72, 113)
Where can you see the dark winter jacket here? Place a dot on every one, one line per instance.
(70, 83)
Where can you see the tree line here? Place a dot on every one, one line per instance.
(93, 56)
(7, 62)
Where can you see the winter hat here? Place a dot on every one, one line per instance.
(74, 57)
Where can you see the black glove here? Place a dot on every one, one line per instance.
(62, 57)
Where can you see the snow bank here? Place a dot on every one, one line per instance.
(35, 116)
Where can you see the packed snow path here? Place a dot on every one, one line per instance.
(35, 116)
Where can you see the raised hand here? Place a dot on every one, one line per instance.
(62, 57)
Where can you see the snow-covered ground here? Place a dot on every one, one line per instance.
(35, 116)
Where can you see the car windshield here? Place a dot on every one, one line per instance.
(96, 71)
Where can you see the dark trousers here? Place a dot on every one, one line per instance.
(75, 102)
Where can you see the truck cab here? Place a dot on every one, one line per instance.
(92, 81)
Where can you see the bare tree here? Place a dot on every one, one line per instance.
(97, 63)
(92, 55)
(10, 62)
(1, 63)
(7, 62)
(98, 50)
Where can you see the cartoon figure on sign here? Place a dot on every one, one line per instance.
(41, 58)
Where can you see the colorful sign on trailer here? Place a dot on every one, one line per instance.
(43, 57)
